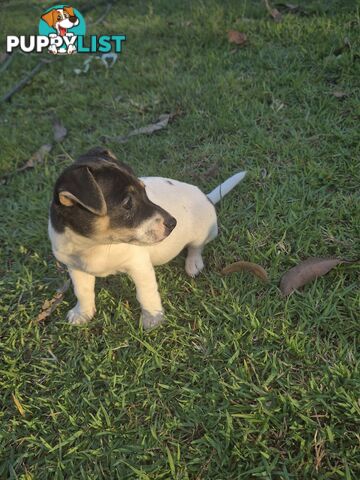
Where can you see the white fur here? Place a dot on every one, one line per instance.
(196, 226)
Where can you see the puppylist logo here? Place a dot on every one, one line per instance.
(62, 31)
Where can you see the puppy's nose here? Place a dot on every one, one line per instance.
(73, 19)
(170, 223)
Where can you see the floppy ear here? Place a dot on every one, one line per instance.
(49, 18)
(77, 185)
(70, 11)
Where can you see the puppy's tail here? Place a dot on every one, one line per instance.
(219, 192)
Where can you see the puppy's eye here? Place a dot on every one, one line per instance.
(127, 202)
(66, 15)
(59, 17)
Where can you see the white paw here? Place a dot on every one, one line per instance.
(76, 316)
(150, 321)
(194, 265)
(71, 49)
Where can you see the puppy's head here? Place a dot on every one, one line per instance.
(65, 17)
(101, 198)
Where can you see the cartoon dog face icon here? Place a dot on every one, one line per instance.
(61, 19)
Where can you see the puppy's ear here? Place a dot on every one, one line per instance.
(50, 18)
(77, 185)
(102, 153)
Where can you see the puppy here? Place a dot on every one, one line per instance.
(104, 220)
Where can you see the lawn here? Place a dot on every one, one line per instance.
(240, 383)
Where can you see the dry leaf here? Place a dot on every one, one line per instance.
(241, 266)
(37, 157)
(60, 131)
(18, 405)
(289, 7)
(273, 12)
(161, 123)
(50, 305)
(307, 271)
(276, 15)
(340, 95)
(238, 38)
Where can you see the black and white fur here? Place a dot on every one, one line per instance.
(104, 220)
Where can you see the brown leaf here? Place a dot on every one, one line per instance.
(161, 123)
(238, 38)
(307, 271)
(60, 131)
(37, 157)
(253, 268)
(50, 305)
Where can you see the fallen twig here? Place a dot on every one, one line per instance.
(161, 123)
(22, 83)
(103, 16)
(7, 62)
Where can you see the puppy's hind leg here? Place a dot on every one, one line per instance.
(194, 262)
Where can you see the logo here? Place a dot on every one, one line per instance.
(62, 31)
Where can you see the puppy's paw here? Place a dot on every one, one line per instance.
(71, 49)
(76, 316)
(194, 265)
(150, 321)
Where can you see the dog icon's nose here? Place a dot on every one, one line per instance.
(170, 223)
(73, 19)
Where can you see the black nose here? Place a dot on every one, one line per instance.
(170, 223)
(73, 19)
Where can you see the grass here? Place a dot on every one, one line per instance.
(240, 383)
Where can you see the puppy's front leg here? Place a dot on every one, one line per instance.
(84, 288)
(147, 293)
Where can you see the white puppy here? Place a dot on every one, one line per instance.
(104, 220)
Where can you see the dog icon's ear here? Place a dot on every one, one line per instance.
(77, 185)
(50, 18)
(70, 11)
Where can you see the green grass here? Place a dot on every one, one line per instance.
(240, 383)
